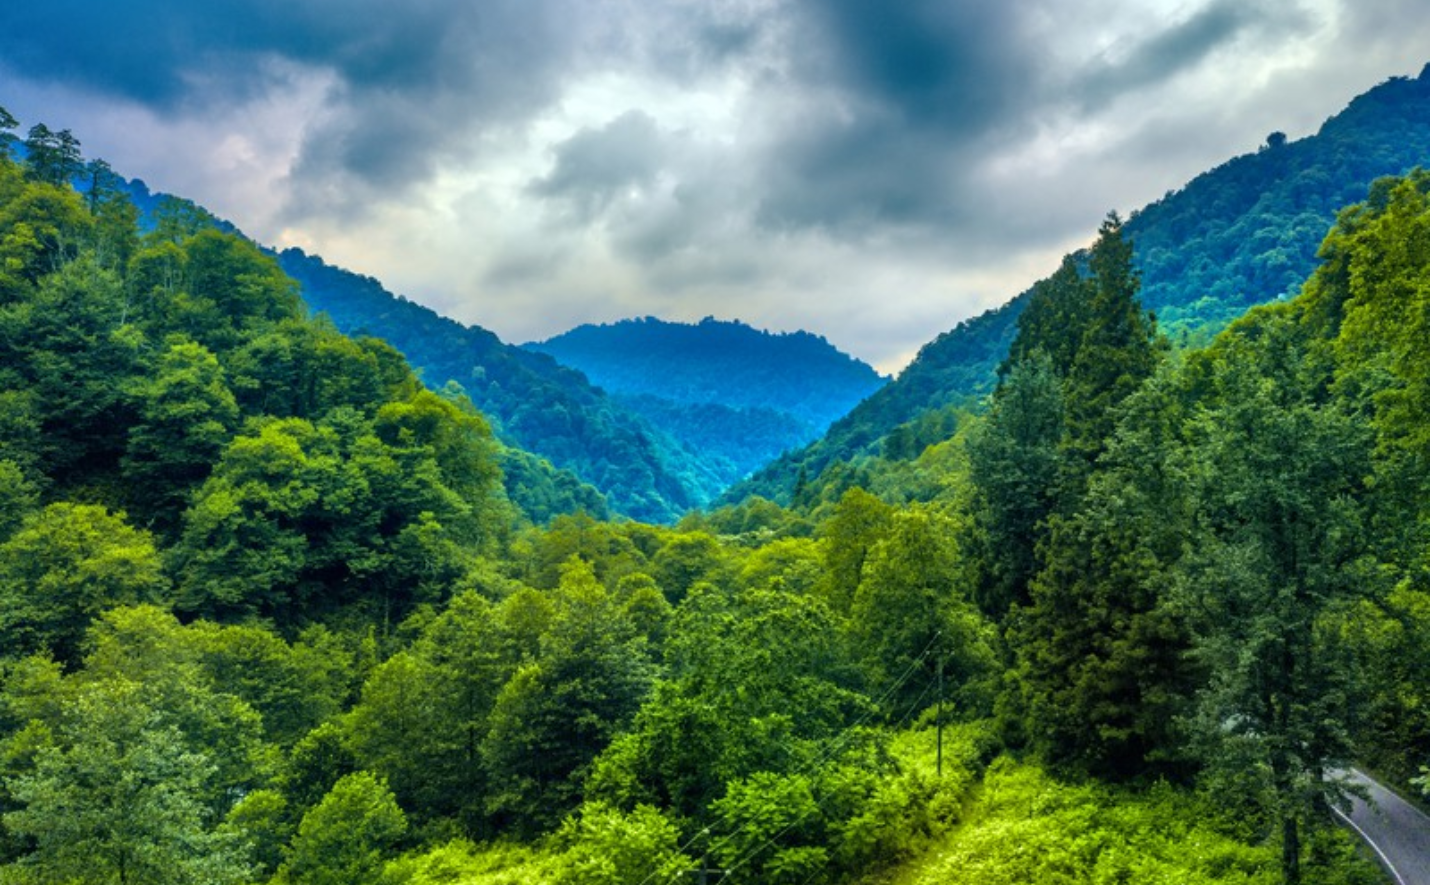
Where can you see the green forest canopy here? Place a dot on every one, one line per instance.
(268, 615)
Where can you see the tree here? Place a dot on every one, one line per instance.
(1053, 322)
(1014, 463)
(8, 124)
(1101, 657)
(424, 713)
(296, 517)
(859, 522)
(555, 715)
(1117, 350)
(177, 219)
(764, 814)
(52, 157)
(345, 839)
(41, 226)
(685, 560)
(115, 216)
(18, 497)
(64, 567)
(68, 347)
(911, 616)
(186, 417)
(608, 847)
(758, 680)
(117, 798)
(229, 291)
(1278, 485)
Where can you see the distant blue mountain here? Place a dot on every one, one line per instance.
(732, 396)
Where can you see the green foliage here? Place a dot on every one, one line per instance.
(124, 769)
(1027, 827)
(913, 623)
(557, 713)
(424, 712)
(757, 681)
(542, 492)
(346, 837)
(68, 564)
(52, 157)
(7, 137)
(775, 828)
(605, 846)
(297, 516)
(66, 347)
(1116, 348)
(1014, 462)
(859, 522)
(230, 288)
(117, 798)
(187, 414)
(18, 497)
(1102, 657)
(1211, 568)
(502, 863)
(1278, 477)
(41, 226)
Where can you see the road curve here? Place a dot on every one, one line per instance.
(1398, 832)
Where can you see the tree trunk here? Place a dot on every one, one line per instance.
(1291, 850)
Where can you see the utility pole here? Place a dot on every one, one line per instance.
(939, 751)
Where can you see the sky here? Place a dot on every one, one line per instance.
(874, 171)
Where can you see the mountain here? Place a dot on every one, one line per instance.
(733, 396)
(532, 402)
(1242, 234)
(566, 447)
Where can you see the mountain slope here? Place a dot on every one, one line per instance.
(1241, 234)
(733, 396)
(722, 362)
(532, 402)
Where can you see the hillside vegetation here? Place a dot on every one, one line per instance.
(268, 616)
(535, 404)
(1242, 234)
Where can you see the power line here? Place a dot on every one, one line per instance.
(833, 747)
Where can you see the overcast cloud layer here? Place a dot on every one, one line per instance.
(867, 170)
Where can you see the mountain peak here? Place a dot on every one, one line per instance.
(726, 362)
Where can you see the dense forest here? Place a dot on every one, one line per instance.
(738, 396)
(535, 404)
(1242, 234)
(268, 614)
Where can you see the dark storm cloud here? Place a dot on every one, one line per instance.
(413, 81)
(144, 50)
(902, 95)
(1181, 47)
(596, 166)
(960, 66)
(906, 103)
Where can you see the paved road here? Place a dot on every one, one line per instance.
(1398, 832)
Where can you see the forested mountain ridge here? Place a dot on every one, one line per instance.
(1241, 234)
(534, 403)
(737, 396)
(716, 361)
